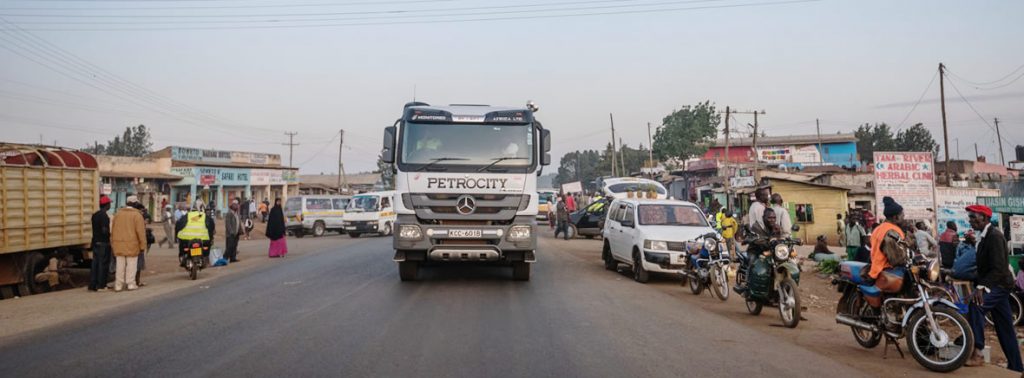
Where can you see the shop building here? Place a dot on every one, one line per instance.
(147, 178)
(796, 152)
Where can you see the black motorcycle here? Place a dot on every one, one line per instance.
(194, 258)
(768, 276)
(937, 334)
(707, 266)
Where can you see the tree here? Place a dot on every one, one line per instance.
(134, 142)
(687, 132)
(871, 138)
(916, 138)
(387, 173)
(583, 166)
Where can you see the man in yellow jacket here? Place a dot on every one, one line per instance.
(127, 240)
(729, 228)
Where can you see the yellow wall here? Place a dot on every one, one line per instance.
(827, 202)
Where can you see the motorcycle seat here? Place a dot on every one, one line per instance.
(851, 271)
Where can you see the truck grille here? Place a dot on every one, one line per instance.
(489, 207)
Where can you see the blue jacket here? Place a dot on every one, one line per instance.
(965, 266)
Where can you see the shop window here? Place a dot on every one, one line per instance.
(805, 213)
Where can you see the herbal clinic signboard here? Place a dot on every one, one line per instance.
(909, 178)
(951, 203)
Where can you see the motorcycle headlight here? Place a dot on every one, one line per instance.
(710, 244)
(781, 252)
(656, 245)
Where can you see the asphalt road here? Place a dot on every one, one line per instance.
(343, 311)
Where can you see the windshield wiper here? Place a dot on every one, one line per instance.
(436, 160)
(499, 160)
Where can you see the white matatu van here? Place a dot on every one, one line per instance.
(370, 213)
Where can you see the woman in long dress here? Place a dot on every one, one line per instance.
(276, 231)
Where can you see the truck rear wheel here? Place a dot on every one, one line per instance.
(407, 270)
(36, 263)
(521, 271)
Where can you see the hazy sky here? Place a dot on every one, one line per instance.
(845, 62)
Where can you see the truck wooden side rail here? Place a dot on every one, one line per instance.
(47, 197)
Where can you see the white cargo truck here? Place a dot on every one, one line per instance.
(466, 185)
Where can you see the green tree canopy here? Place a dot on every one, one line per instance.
(879, 137)
(687, 132)
(135, 141)
(917, 138)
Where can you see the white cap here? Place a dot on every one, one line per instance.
(132, 199)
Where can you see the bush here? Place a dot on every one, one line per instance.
(828, 266)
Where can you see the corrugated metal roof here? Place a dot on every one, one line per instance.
(788, 140)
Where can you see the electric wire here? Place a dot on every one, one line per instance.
(982, 118)
(986, 83)
(919, 99)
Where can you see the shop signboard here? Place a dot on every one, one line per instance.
(1004, 205)
(217, 156)
(775, 154)
(908, 178)
(233, 176)
(806, 155)
(572, 187)
(741, 182)
(1017, 228)
(951, 202)
(266, 177)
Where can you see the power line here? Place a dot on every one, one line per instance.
(987, 82)
(982, 118)
(345, 4)
(919, 99)
(429, 21)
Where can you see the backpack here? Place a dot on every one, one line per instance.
(965, 265)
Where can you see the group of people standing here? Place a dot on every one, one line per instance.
(120, 244)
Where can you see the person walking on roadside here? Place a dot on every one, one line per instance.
(168, 225)
(948, 242)
(992, 292)
(718, 218)
(150, 240)
(252, 208)
(232, 231)
(100, 247)
(562, 214)
(729, 229)
(263, 210)
(243, 215)
(784, 220)
(128, 240)
(841, 228)
(854, 234)
(570, 203)
(276, 231)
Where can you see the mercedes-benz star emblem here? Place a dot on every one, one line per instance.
(465, 205)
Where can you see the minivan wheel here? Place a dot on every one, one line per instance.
(319, 228)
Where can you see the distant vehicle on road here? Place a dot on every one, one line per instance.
(650, 235)
(314, 214)
(49, 195)
(619, 187)
(370, 213)
(545, 204)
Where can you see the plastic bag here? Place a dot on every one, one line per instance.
(216, 254)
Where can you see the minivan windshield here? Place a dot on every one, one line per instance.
(670, 215)
(293, 204)
(363, 203)
(635, 187)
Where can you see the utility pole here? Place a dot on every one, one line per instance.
(821, 158)
(612, 120)
(291, 146)
(957, 140)
(976, 152)
(754, 141)
(942, 98)
(728, 197)
(650, 150)
(999, 140)
(342, 180)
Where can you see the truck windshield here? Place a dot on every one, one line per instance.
(363, 203)
(467, 145)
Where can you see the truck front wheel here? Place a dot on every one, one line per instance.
(407, 270)
(521, 271)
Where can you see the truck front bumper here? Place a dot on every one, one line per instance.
(465, 242)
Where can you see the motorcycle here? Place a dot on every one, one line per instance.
(194, 258)
(768, 276)
(938, 335)
(707, 266)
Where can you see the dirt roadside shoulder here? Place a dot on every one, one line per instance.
(20, 316)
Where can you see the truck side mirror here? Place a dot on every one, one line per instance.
(545, 147)
(387, 154)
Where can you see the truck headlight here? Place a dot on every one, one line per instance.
(656, 245)
(410, 232)
(519, 232)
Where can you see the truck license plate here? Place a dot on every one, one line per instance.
(465, 233)
(196, 252)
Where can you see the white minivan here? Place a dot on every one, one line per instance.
(314, 214)
(370, 213)
(651, 235)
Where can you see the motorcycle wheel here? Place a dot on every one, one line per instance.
(1015, 309)
(953, 327)
(720, 283)
(696, 286)
(754, 307)
(789, 303)
(193, 270)
(865, 338)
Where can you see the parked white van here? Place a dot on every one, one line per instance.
(314, 214)
(370, 213)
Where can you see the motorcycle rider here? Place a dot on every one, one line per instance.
(760, 234)
(893, 219)
(194, 225)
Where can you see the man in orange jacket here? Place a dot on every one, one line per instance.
(893, 216)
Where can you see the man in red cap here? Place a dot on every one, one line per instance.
(992, 293)
(100, 247)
